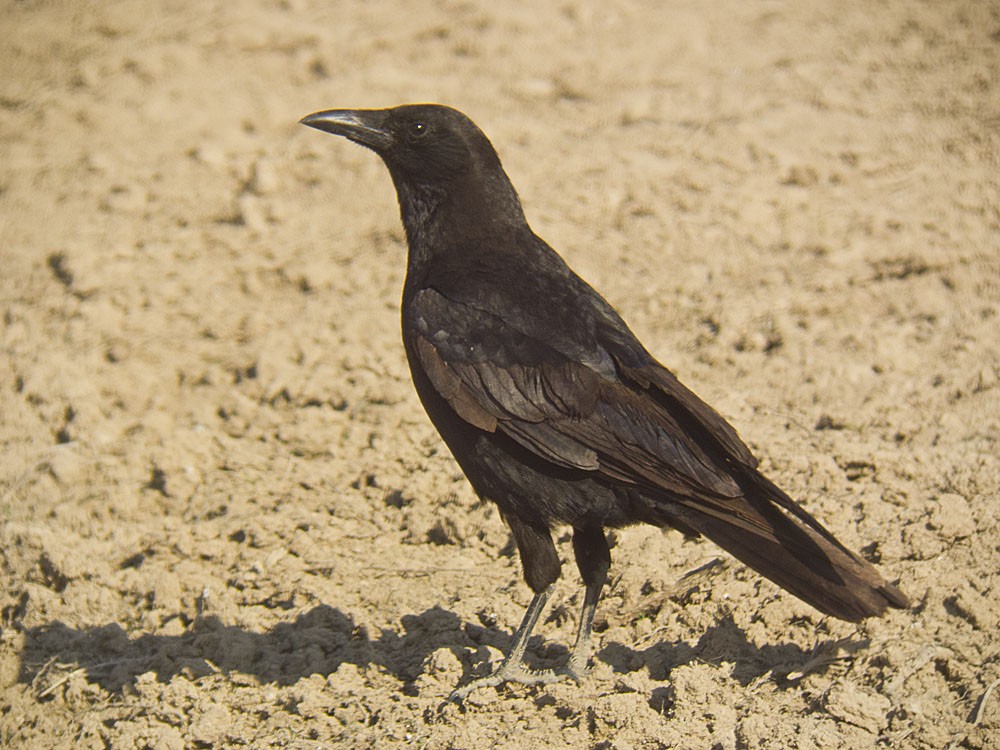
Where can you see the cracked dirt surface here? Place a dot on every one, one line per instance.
(225, 520)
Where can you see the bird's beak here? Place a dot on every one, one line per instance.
(365, 126)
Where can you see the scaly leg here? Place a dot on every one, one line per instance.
(512, 668)
(579, 659)
(593, 559)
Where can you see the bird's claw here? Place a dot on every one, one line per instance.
(508, 672)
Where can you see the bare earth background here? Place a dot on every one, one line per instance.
(225, 520)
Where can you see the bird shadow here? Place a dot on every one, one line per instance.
(723, 642)
(318, 641)
(322, 639)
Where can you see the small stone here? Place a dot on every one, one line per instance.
(442, 662)
(209, 729)
(210, 155)
(263, 178)
(536, 88)
(952, 516)
(164, 738)
(252, 212)
(65, 465)
(800, 176)
(863, 709)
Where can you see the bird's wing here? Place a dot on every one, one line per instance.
(543, 395)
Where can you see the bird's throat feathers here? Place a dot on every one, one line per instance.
(465, 211)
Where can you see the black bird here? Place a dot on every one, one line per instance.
(554, 409)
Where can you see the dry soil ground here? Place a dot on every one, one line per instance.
(225, 520)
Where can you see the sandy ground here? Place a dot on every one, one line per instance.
(225, 520)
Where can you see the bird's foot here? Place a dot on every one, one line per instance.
(517, 672)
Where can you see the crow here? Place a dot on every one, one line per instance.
(553, 408)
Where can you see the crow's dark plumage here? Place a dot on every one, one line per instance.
(550, 404)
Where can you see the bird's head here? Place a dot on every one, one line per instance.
(436, 155)
(421, 141)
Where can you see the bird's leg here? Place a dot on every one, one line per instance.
(512, 668)
(579, 658)
(593, 558)
(541, 569)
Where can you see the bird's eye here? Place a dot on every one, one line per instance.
(417, 129)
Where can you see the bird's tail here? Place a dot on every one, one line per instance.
(773, 535)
